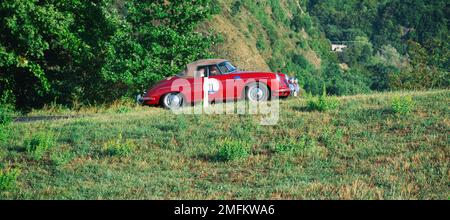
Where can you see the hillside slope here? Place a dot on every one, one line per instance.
(270, 35)
(361, 151)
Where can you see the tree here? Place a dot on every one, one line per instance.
(162, 40)
(94, 51)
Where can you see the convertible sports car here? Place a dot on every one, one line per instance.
(222, 81)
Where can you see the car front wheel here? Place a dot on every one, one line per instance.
(173, 101)
(257, 92)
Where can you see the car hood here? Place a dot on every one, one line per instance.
(163, 83)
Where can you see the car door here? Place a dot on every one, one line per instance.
(215, 84)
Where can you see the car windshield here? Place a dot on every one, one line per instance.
(227, 67)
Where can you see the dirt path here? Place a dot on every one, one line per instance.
(45, 118)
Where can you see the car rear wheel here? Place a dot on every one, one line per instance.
(257, 92)
(173, 101)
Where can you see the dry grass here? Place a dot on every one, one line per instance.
(361, 151)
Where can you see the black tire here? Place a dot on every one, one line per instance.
(257, 92)
(173, 101)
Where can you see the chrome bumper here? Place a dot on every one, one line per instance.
(140, 99)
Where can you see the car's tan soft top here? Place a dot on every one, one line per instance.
(191, 68)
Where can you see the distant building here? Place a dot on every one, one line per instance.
(338, 47)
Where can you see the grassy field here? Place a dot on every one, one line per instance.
(363, 150)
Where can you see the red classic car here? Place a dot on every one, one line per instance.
(222, 81)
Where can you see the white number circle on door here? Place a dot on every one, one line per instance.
(213, 86)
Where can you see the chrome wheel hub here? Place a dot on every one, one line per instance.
(173, 101)
(256, 94)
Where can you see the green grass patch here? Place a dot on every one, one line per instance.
(364, 151)
(60, 158)
(402, 105)
(8, 178)
(5, 115)
(233, 150)
(39, 144)
(322, 103)
(294, 146)
(119, 147)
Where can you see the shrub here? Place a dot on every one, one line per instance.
(261, 44)
(236, 7)
(119, 147)
(39, 144)
(8, 178)
(5, 115)
(322, 103)
(233, 150)
(402, 105)
(3, 133)
(5, 119)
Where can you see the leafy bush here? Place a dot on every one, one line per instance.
(39, 144)
(8, 178)
(402, 105)
(83, 51)
(119, 147)
(302, 21)
(233, 150)
(5, 115)
(236, 8)
(322, 103)
(4, 133)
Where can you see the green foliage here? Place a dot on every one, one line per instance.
(3, 133)
(5, 120)
(60, 158)
(302, 21)
(39, 144)
(294, 146)
(426, 71)
(236, 7)
(119, 147)
(350, 82)
(8, 178)
(123, 109)
(5, 115)
(408, 46)
(233, 150)
(359, 52)
(83, 50)
(322, 103)
(164, 40)
(402, 105)
(261, 44)
(332, 139)
(360, 146)
(278, 13)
